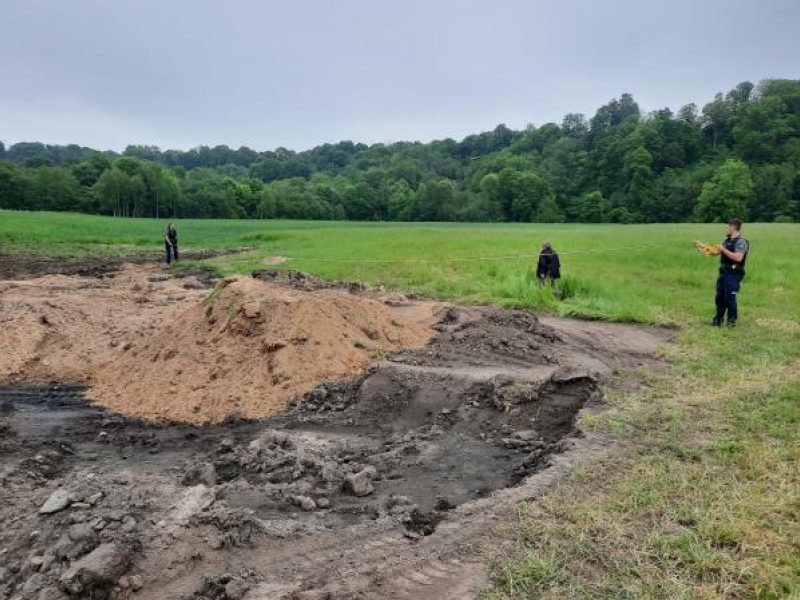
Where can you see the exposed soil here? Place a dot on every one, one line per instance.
(65, 328)
(305, 282)
(364, 487)
(251, 346)
(158, 343)
(28, 266)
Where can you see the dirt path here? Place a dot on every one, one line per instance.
(385, 485)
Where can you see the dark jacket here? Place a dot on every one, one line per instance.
(549, 265)
(737, 244)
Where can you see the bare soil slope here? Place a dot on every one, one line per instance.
(252, 346)
(64, 328)
(164, 347)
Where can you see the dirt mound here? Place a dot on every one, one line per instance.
(153, 347)
(304, 281)
(249, 347)
(63, 328)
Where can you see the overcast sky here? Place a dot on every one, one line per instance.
(297, 73)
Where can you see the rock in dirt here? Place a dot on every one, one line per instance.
(444, 503)
(204, 473)
(305, 503)
(58, 500)
(47, 561)
(51, 593)
(136, 582)
(251, 310)
(32, 586)
(81, 532)
(236, 589)
(100, 568)
(67, 548)
(224, 587)
(128, 524)
(194, 501)
(275, 345)
(36, 562)
(360, 484)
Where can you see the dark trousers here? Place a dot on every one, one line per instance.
(727, 290)
(172, 252)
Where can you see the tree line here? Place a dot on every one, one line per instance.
(738, 155)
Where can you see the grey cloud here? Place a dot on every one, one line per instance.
(179, 73)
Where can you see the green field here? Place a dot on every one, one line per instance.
(704, 501)
(646, 273)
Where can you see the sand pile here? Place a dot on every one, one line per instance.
(22, 333)
(250, 346)
(64, 328)
(150, 346)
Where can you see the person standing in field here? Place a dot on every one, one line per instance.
(171, 243)
(733, 255)
(549, 268)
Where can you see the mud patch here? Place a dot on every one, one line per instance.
(251, 484)
(305, 282)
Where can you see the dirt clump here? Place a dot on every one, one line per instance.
(249, 347)
(304, 281)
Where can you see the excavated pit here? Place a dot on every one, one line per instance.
(439, 426)
(190, 511)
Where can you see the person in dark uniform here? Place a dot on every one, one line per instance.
(549, 268)
(733, 255)
(171, 243)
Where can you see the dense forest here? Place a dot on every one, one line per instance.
(739, 155)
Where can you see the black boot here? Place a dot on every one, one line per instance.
(716, 322)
